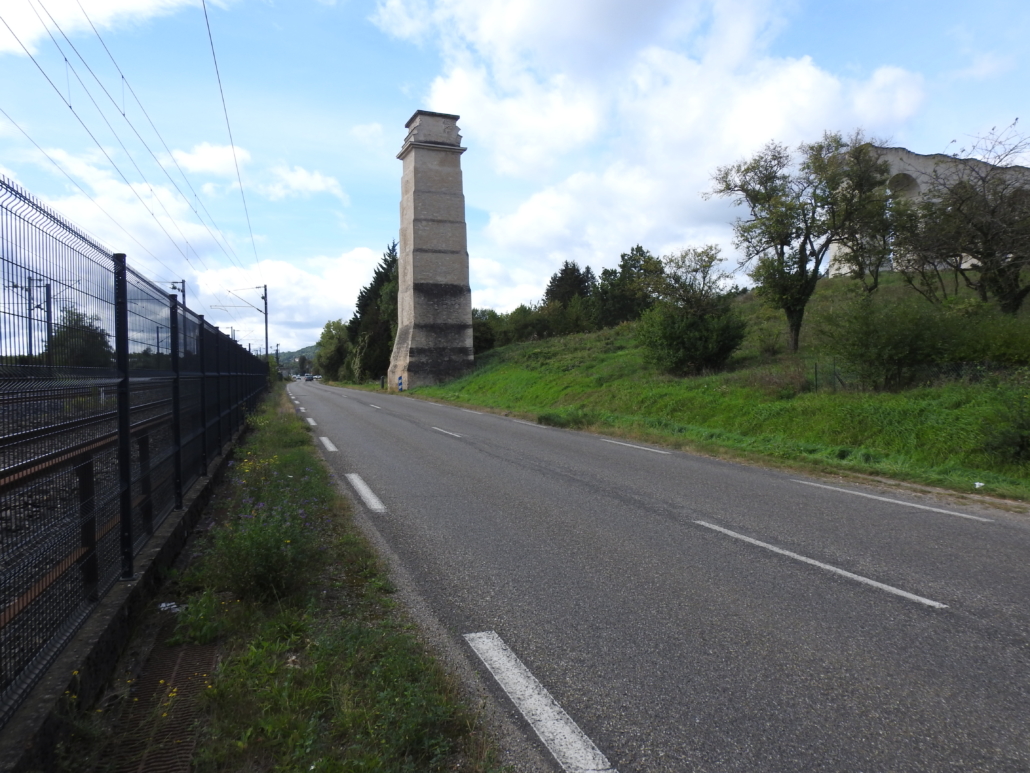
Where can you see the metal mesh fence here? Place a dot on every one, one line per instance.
(113, 399)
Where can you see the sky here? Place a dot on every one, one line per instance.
(591, 125)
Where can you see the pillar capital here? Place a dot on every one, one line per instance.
(435, 131)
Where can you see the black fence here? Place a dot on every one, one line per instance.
(113, 398)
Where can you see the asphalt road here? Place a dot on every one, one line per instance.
(624, 581)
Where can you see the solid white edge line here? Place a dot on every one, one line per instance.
(372, 502)
(478, 413)
(895, 501)
(312, 422)
(642, 448)
(529, 423)
(571, 747)
(328, 444)
(452, 434)
(827, 567)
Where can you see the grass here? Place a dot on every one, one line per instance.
(763, 407)
(319, 668)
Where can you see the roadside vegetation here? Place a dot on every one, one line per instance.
(882, 332)
(318, 668)
(924, 419)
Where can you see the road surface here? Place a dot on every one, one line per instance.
(647, 610)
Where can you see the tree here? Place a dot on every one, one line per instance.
(867, 242)
(569, 282)
(302, 364)
(373, 327)
(800, 205)
(80, 342)
(973, 225)
(484, 329)
(333, 351)
(623, 294)
(692, 326)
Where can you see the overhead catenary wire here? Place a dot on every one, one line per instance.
(121, 144)
(121, 174)
(233, 257)
(66, 99)
(232, 143)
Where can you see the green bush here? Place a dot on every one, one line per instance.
(263, 556)
(888, 346)
(682, 341)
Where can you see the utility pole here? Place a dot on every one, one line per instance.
(264, 297)
(181, 287)
(277, 355)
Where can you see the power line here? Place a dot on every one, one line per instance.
(113, 132)
(171, 155)
(232, 143)
(93, 137)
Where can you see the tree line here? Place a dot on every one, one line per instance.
(967, 236)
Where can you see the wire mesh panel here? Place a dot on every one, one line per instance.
(64, 515)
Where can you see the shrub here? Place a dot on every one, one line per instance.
(888, 345)
(1007, 434)
(679, 340)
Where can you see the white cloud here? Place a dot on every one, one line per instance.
(619, 114)
(206, 158)
(298, 181)
(67, 14)
(986, 65)
(890, 97)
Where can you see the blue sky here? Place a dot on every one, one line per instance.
(591, 125)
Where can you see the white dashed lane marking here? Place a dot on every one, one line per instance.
(328, 444)
(571, 747)
(452, 434)
(372, 502)
(858, 578)
(895, 501)
(312, 422)
(642, 448)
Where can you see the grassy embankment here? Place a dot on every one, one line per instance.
(319, 669)
(762, 407)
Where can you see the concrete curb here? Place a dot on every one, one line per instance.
(86, 664)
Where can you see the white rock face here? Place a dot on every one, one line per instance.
(434, 308)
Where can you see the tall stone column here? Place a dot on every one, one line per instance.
(434, 304)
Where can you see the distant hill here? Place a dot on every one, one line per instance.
(287, 359)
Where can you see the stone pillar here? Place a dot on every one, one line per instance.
(434, 304)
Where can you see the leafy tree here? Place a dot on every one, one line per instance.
(867, 242)
(569, 282)
(333, 351)
(80, 342)
(623, 294)
(800, 205)
(484, 329)
(373, 327)
(302, 364)
(693, 326)
(973, 225)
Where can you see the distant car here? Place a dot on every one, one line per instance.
(318, 377)
(309, 377)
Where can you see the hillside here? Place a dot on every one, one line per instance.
(766, 406)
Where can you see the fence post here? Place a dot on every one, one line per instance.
(217, 335)
(202, 356)
(89, 565)
(121, 346)
(173, 313)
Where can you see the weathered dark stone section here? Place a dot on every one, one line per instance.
(441, 292)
